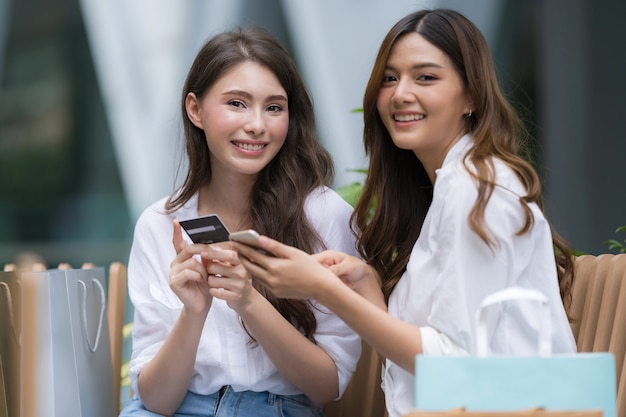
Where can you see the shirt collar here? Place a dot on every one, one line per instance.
(457, 151)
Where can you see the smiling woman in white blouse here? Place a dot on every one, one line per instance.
(457, 212)
(207, 339)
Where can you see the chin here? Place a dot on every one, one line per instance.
(407, 144)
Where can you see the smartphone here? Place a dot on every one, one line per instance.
(248, 237)
(207, 229)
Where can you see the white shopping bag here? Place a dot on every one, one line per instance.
(551, 382)
(66, 358)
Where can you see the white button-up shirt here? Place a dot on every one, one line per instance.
(451, 270)
(225, 356)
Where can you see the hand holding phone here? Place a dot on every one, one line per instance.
(248, 237)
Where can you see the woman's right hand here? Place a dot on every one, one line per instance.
(188, 275)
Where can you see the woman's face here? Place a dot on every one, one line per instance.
(245, 118)
(422, 100)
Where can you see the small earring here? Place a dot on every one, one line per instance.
(470, 113)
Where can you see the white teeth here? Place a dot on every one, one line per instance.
(249, 146)
(408, 117)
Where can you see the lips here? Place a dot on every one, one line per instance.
(408, 117)
(250, 146)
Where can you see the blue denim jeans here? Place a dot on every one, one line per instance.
(228, 403)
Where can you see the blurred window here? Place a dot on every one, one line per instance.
(60, 190)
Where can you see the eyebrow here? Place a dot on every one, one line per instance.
(274, 97)
(420, 66)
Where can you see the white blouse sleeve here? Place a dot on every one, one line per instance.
(156, 308)
(329, 214)
(466, 269)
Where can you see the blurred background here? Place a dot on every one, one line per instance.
(90, 130)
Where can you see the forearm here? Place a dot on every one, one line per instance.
(366, 313)
(164, 381)
(369, 288)
(304, 364)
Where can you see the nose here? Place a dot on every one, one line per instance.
(403, 92)
(255, 122)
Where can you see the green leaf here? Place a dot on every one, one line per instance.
(359, 170)
(127, 329)
(614, 244)
(351, 192)
(125, 375)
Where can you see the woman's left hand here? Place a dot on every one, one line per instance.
(228, 279)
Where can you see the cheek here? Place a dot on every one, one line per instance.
(382, 105)
(226, 119)
(279, 128)
(382, 102)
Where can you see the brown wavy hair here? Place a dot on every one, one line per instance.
(393, 173)
(276, 204)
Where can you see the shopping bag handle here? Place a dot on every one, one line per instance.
(10, 308)
(508, 294)
(92, 347)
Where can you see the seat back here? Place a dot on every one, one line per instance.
(598, 312)
(584, 269)
(363, 396)
(593, 300)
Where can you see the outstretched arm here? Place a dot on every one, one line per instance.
(358, 301)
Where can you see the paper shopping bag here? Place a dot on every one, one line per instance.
(4, 411)
(10, 334)
(90, 337)
(48, 370)
(583, 381)
(66, 360)
(561, 382)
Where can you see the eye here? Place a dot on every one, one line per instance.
(426, 78)
(274, 108)
(388, 79)
(237, 103)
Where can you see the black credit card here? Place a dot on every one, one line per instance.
(207, 229)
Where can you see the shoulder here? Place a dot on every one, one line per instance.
(152, 229)
(454, 183)
(326, 199)
(507, 179)
(329, 214)
(156, 220)
(455, 179)
(154, 215)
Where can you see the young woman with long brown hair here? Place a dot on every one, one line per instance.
(207, 340)
(457, 212)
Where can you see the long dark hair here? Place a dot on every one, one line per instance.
(393, 173)
(276, 203)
